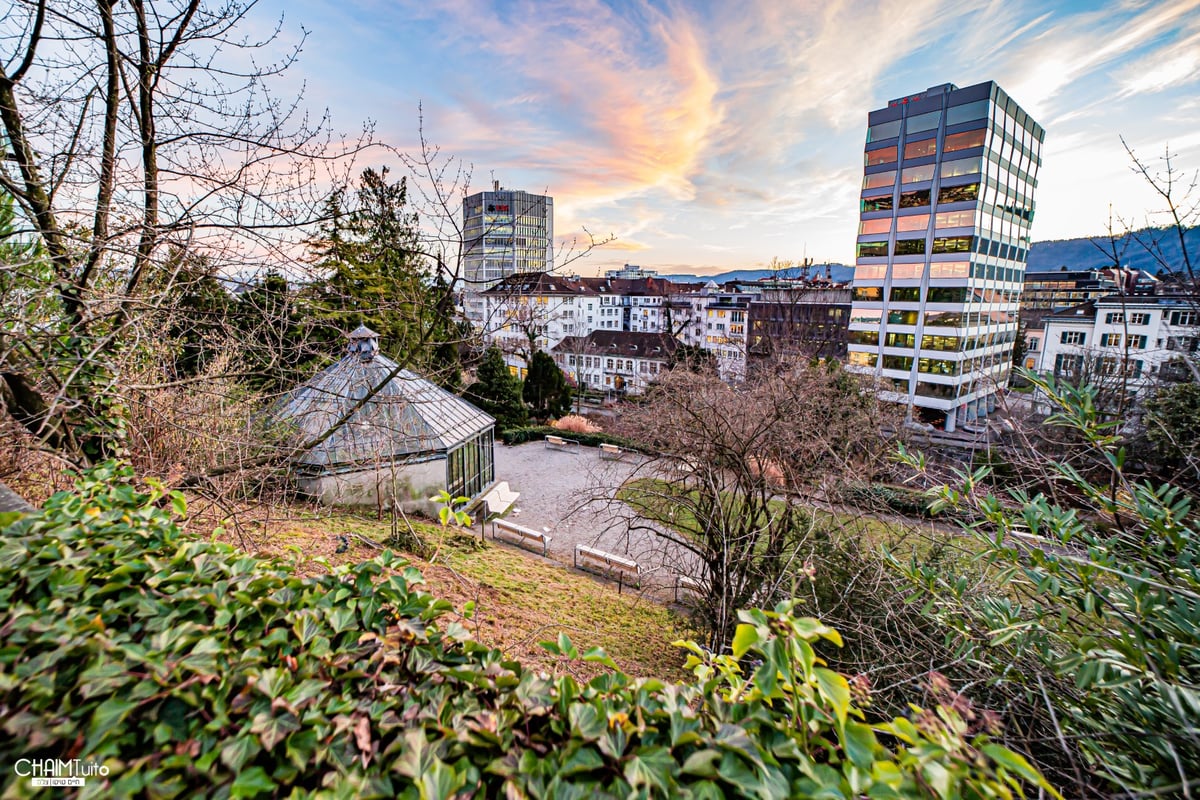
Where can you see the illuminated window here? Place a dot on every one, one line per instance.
(860, 359)
(877, 179)
(953, 244)
(869, 226)
(868, 293)
(917, 174)
(884, 155)
(910, 247)
(925, 147)
(906, 294)
(962, 166)
(961, 141)
(954, 219)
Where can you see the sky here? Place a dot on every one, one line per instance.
(707, 136)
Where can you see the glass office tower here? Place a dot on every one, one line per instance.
(506, 231)
(946, 206)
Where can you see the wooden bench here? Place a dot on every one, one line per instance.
(611, 451)
(687, 584)
(608, 564)
(523, 536)
(562, 444)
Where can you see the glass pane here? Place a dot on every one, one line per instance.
(884, 155)
(878, 179)
(924, 122)
(884, 130)
(915, 174)
(925, 147)
(965, 113)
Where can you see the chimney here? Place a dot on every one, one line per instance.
(495, 186)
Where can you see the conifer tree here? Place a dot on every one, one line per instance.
(546, 389)
(498, 392)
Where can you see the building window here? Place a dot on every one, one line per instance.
(881, 203)
(897, 362)
(925, 147)
(1137, 342)
(914, 199)
(876, 180)
(1073, 337)
(1110, 340)
(917, 174)
(954, 219)
(953, 244)
(910, 247)
(870, 226)
(1184, 317)
(915, 222)
(959, 194)
(872, 249)
(1115, 318)
(962, 166)
(1139, 319)
(1067, 365)
(860, 359)
(868, 293)
(906, 294)
(884, 155)
(961, 141)
(884, 130)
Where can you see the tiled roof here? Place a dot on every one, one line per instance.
(627, 344)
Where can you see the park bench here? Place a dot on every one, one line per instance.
(499, 499)
(521, 535)
(611, 451)
(684, 583)
(562, 444)
(608, 564)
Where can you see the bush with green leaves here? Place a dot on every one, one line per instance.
(1092, 609)
(191, 669)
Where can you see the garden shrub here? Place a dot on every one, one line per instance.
(187, 668)
(538, 432)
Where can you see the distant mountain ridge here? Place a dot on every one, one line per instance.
(1081, 253)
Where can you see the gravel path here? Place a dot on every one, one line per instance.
(571, 493)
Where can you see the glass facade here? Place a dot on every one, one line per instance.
(505, 232)
(941, 257)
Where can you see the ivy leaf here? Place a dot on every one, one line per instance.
(252, 783)
(836, 690)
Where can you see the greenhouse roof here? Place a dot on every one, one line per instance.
(408, 416)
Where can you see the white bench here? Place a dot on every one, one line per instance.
(499, 499)
(523, 536)
(562, 444)
(611, 451)
(607, 564)
(687, 584)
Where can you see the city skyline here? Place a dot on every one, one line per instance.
(707, 138)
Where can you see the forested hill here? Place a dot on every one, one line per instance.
(1095, 252)
(1082, 253)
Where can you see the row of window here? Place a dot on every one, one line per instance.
(927, 147)
(946, 344)
(921, 197)
(940, 269)
(919, 222)
(916, 247)
(923, 172)
(1077, 365)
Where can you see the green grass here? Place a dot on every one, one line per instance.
(519, 599)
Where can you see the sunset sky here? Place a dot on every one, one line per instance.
(717, 135)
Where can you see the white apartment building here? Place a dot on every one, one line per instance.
(617, 362)
(1137, 340)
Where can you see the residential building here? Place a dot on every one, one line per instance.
(505, 232)
(616, 362)
(1122, 341)
(946, 206)
(526, 312)
(799, 322)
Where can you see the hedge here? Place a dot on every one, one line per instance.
(183, 667)
(535, 433)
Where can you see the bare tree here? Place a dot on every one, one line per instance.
(128, 128)
(738, 469)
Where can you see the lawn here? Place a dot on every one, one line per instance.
(519, 599)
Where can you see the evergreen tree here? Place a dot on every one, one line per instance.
(498, 392)
(546, 388)
(375, 274)
(272, 326)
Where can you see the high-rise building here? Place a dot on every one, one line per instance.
(946, 206)
(505, 232)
